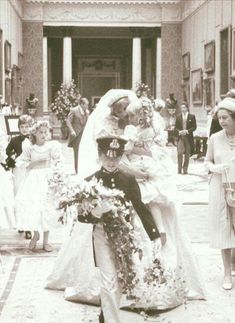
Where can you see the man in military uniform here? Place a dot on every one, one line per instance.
(110, 152)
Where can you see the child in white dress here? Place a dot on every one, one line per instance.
(35, 208)
(149, 161)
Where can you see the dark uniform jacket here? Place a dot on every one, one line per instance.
(191, 126)
(14, 148)
(128, 184)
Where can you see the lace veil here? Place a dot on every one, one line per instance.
(88, 159)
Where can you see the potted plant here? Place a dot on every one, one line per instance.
(67, 97)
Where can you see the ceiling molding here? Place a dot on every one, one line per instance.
(111, 2)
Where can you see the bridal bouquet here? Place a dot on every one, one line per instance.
(116, 223)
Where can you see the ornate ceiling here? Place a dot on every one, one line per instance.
(116, 13)
(107, 1)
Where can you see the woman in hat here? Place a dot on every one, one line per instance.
(220, 161)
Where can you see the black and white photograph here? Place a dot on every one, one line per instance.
(117, 161)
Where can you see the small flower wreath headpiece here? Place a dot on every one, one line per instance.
(146, 112)
(37, 125)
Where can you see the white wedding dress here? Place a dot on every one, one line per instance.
(74, 270)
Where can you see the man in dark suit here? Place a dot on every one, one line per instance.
(76, 122)
(185, 125)
(110, 150)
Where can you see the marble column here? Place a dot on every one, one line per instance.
(67, 59)
(136, 61)
(158, 67)
(45, 75)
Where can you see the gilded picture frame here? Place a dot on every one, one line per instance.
(7, 56)
(225, 60)
(186, 66)
(196, 86)
(8, 90)
(209, 92)
(209, 57)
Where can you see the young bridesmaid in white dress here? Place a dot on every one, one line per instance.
(35, 206)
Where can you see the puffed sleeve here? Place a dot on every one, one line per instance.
(130, 133)
(25, 158)
(56, 153)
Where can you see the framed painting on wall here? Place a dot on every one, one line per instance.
(7, 55)
(1, 71)
(15, 85)
(8, 90)
(186, 92)
(225, 56)
(209, 92)
(209, 56)
(196, 85)
(186, 65)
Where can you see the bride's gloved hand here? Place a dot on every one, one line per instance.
(103, 207)
(217, 168)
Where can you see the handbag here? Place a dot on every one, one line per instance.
(229, 192)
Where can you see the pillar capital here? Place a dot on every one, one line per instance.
(136, 31)
(145, 32)
(67, 31)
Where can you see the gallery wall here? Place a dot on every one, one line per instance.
(208, 34)
(10, 34)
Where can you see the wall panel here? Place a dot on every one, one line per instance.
(171, 60)
(200, 27)
(33, 61)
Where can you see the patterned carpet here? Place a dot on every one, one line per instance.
(25, 299)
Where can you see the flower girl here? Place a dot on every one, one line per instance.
(35, 208)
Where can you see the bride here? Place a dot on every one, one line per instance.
(74, 270)
(78, 276)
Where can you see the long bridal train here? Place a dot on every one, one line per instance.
(75, 271)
